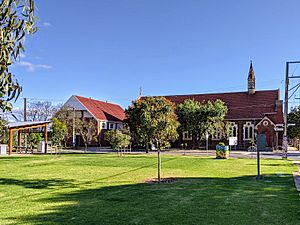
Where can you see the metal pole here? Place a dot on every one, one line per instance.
(258, 164)
(286, 108)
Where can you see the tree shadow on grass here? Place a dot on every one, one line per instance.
(237, 200)
(36, 184)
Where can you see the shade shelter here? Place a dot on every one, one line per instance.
(22, 127)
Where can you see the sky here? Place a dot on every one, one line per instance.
(108, 49)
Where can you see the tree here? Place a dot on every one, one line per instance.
(37, 111)
(17, 19)
(133, 120)
(3, 132)
(66, 115)
(118, 139)
(294, 118)
(87, 130)
(201, 118)
(59, 131)
(155, 120)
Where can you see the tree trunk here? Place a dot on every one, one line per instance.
(147, 147)
(194, 137)
(158, 164)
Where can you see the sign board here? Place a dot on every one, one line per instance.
(278, 129)
(232, 141)
(261, 142)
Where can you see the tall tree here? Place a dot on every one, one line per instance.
(201, 118)
(153, 119)
(17, 19)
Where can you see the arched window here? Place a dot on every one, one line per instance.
(233, 129)
(248, 131)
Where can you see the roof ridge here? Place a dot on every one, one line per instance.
(237, 92)
(92, 99)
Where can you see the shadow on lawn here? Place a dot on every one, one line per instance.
(239, 200)
(36, 184)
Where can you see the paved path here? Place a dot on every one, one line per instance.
(297, 176)
(293, 155)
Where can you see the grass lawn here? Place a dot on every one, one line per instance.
(107, 189)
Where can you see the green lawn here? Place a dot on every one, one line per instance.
(106, 189)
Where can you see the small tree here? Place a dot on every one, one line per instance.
(3, 132)
(119, 140)
(17, 20)
(156, 121)
(66, 115)
(87, 130)
(34, 139)
(59, 131)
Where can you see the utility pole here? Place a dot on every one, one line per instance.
(73, 131)
(286, 105)
(25, 109)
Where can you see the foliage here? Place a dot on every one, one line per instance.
(3, 132)
(201, 118)
(294, 117)
(153, 120)
(35, 138)
(118, 139)
(66, 115)
(59, 131)
(17, 20)
(87, 130)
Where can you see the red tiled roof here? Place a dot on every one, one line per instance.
(240, 105)
(102, 110)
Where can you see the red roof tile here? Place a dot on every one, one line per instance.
(103, 110)
(240, 105)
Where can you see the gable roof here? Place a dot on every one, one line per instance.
(102, 110)
(240, 105)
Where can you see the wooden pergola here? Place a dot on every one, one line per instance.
(22, 126)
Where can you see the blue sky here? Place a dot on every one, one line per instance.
(107, 49)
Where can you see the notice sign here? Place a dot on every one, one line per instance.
(232, 141)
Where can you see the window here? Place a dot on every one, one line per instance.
(248, 131)
(103, 125)
(111, 126)
(187, 135)
(233, 129)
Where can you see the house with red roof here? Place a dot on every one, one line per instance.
(250, 113)
(107, 116)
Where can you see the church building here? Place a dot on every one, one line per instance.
(250, 113)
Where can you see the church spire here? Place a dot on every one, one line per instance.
(251, 80)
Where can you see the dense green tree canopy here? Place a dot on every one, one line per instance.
(201, 118)
(153, 120)
(16, 21)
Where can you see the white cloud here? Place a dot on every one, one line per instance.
(47, 24)
(30, 67)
